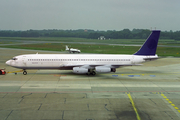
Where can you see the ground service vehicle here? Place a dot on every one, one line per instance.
(2, 72)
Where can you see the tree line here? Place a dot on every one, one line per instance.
(90, 34)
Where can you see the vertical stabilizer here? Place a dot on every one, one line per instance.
(150, 46)
(67, 47)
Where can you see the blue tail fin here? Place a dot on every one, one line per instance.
(149, 47)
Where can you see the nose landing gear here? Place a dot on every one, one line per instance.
(24, 72)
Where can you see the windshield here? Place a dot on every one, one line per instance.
(14, 58)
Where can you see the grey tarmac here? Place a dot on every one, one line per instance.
(148, 92)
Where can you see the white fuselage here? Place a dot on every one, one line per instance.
(74, 50)
(67, 61)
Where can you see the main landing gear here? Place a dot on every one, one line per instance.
(91, 73)
(24, 72)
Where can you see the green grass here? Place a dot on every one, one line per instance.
(99, 49)
(7, 42)
(91, 48)
(71, 39)
(168, 51)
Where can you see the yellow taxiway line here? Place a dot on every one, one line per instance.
(170, 102)
(15, 71)
(132, 102)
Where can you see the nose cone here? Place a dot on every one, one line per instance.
(8, 62)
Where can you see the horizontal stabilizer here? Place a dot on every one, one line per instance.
(150, 59)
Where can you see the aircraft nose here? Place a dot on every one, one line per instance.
(8, 62)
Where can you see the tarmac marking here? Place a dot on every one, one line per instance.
(173, 105)
(42, 85)
(15, 71)
(60, 75)
(132, 102)
(140, 75)
(86, 92)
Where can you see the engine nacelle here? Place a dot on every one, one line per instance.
(105, 69)
(79, 70)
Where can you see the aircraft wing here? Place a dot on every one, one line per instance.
(98, 65)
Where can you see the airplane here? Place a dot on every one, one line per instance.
(89, 64)
(72, 50)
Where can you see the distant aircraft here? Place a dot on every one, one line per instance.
(72, 50)
(87, 63)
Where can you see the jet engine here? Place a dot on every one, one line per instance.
(103, 69)
(79, 70)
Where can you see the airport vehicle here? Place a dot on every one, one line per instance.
(2, 72)
(72, 50)
(87, 63)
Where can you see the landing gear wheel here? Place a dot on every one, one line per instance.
(88, 73)
(24, 73)
(93, 73)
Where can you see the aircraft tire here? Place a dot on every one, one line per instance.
(93, 73)
(88, 73)
(24, 73)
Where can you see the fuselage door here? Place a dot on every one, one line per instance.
(24, 60)
(132, 60)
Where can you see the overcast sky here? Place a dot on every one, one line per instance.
(89, 14)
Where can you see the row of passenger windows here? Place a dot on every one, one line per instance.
(78, 59)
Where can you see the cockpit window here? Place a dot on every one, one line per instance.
(14, 58)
